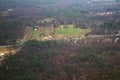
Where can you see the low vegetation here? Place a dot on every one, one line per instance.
(63, 31)
(71, 31)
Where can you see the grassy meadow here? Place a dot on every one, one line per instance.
(71, 31)
(64, 31)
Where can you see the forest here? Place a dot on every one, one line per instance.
(51, 60)
(59, 39)
(52, 13)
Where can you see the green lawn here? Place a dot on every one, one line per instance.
(71, 31)
(64, 31)
(36, 33)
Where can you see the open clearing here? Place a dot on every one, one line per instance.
(72, 31)
(64, 31)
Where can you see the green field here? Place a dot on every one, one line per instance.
(66, 30)
(36, 33)
(72, 31)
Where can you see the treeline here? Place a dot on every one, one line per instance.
(10, 31)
